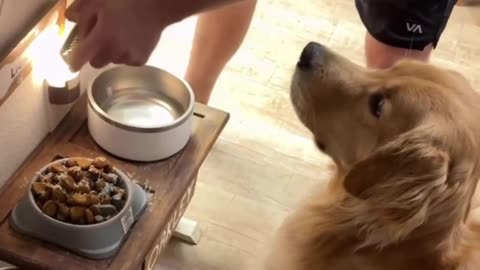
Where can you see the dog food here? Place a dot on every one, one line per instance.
(80, 191)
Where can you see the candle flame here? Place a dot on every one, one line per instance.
(47, 64)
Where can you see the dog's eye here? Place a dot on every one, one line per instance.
(375, 103)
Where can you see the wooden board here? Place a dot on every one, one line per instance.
(172, 179)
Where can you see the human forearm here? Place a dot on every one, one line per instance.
(127, 31)
(177, 10)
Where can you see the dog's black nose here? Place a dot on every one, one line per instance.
(312, 54)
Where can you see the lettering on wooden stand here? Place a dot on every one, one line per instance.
(170, 227)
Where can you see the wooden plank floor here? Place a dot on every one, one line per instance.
(265, 160)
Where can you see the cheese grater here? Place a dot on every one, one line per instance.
(68, 46)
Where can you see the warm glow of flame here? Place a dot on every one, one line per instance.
(47, 64)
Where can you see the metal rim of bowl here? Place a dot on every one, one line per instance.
(103, 115)
(122, 175)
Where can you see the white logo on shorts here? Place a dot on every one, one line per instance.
(413, 28)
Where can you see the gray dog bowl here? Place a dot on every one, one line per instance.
(95, 241)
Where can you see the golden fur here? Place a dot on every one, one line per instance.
(403, 193)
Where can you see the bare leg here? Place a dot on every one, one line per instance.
(382, 56)
(218, 36)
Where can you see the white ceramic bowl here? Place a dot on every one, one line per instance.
(140, 113)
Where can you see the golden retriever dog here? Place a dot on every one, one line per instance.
(406, 145)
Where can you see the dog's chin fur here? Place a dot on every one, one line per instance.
(403, 200)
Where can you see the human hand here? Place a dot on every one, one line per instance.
(115, 31)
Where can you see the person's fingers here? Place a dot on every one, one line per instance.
(141, 54)
(139, 60)
(73, 11)
(88, 22)
(87, 48)
(102, 58)
(121, 58)
(84, 13)
(77, 11)
(100, 61)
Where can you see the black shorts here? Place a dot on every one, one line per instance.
(409, 24)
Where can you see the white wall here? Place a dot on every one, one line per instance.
(25, 119)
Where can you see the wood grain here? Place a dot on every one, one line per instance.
(265, 160)
(170, 178)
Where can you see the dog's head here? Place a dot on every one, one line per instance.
(406, 138)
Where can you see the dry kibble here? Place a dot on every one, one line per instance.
(117, 197)
(77, 213)
(80, 191)
(84, 181)
(63, 209)
(93, 199)
(49, 178)
(69, 201)
(95, 172)
(45, 196)
(110, 177)
(100, 162)
(58, 168)
(42, 190)
(84, 163)
(83, 199)
(120, 191)
(80, 199)
(109, 189)
(67, 182)
(58, 194)
(39, 188)
(100, 185)
(84, 186)
(89, 218)
(76, 173)
(105, 198)
(107, 210)
(50, 208)
(95, 209)
(71, 163)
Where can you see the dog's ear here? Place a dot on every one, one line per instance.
(404, 167)
(400, 187)
(409, 182)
